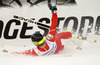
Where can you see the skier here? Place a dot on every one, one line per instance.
(51, 44)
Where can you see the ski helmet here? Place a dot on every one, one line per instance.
(38, 39)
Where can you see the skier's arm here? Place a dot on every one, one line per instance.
(52, 31)
(53, 24)
(27, 52)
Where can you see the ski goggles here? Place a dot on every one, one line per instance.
(41, 42)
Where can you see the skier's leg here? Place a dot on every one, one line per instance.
(64, 35)
(59, 36)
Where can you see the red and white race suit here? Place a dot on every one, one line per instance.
(53, 41)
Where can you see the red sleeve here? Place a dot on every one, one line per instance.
(52, 32)
(30, 52)
(34, 53)
(53, 24)
(27, 52)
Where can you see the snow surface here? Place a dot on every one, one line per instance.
(89, 55)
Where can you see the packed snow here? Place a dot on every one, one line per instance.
(88, 55)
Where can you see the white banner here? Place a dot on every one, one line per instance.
(81, 17)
